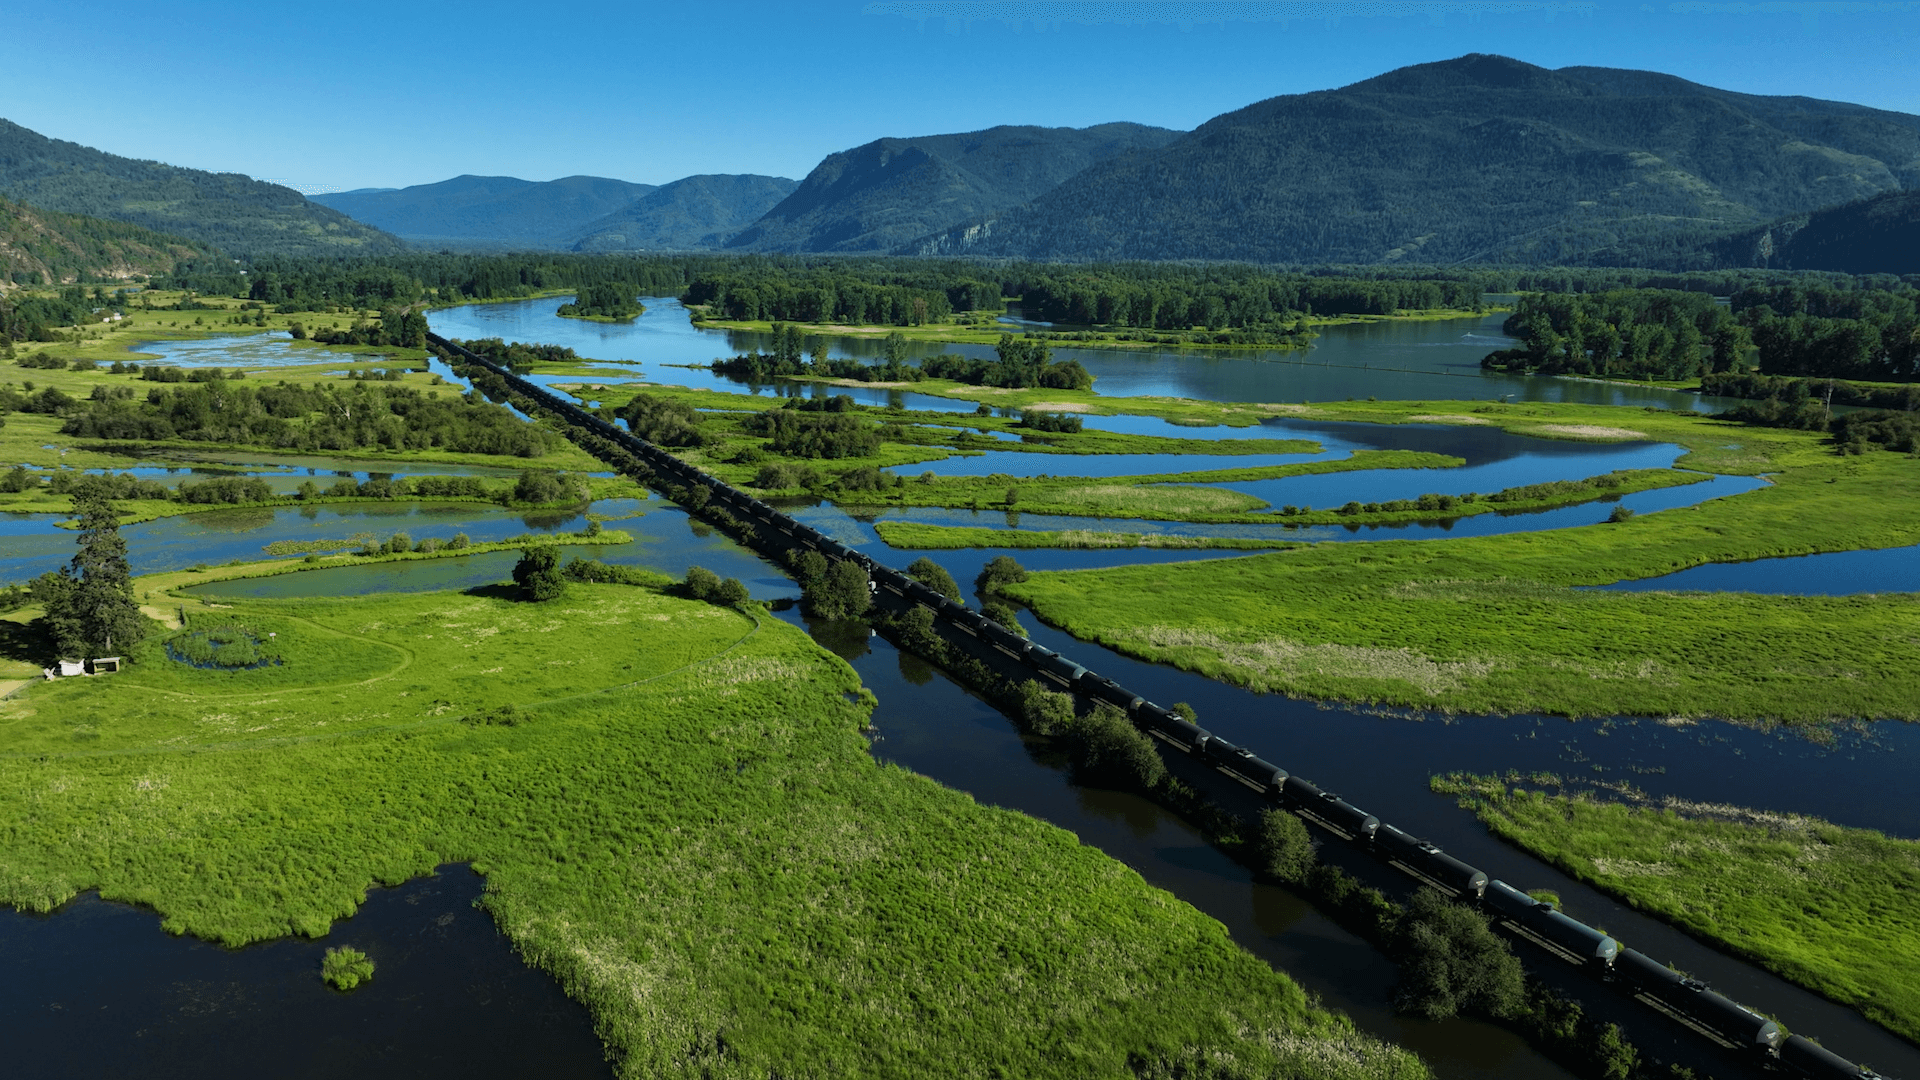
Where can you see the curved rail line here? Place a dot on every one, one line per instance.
(1693, 1003)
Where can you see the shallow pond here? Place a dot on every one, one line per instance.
(98, 989)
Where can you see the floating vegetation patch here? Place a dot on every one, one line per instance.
(346, 967)
(232, 647)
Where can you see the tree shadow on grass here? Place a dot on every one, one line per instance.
(27, 642)
(496, 591)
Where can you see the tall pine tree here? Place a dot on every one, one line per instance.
(90, 606)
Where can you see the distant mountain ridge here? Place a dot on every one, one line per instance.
(501, 208)
(237, 214)
(690, 214)
(1482, 158)
(890, 192)
(46, 247)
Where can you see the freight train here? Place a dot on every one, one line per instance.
(1627, 970)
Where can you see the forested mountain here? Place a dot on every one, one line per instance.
(239, 215)
(1481, 159)
(501, 208)
(1880, 235)
(890, 192)
(43, 247)
(691, 214)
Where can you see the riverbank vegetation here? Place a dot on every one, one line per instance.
(1834, 909)
(602, 301)
(1801, 329)
(1504, 624)
(682, 823)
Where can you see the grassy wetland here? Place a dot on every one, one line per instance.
(1501, 623)
(677, 817)
(1831, 908)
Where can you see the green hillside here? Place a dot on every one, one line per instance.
(239, 215)
(44, 247)
(1479, 159)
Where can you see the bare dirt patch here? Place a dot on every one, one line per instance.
(1436, 418)
(856, 382)
(1058, 406)
(1589, 431)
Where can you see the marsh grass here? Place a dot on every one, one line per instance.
(1499, 623)
(1834, 909)
(682, 824)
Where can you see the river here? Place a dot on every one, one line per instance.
(1379, 760)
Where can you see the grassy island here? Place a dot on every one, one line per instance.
(677, 816)
(1836, 910)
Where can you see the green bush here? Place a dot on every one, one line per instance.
(1451, 961)
(935, 577)
(346, 967)
(1106, 747)
(1003, 570)
(1620, 513)
(1043, 711)
(1005, 614)
(730, 592)
(399, 544)
(702, 583)
(538, 573)
(1282, 847)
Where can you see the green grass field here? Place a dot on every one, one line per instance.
(1836, 910)
(1497, 624)
(682, 823)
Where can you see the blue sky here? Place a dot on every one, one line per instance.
(348, 94)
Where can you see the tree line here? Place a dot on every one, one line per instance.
(1637, 333)
(356, 415)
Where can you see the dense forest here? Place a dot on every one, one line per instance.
(1637, 333)
(1815, 330)
(243, 217)
(1808, 328)
(329, 416)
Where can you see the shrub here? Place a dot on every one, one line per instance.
(1451, 960)
(1620, 513)
(1043, 711)
(1005, 614)
(730, 592)
(458, 542)
(701, 583)
(1107, 747)
(399, 543)
(935, 577)
(1282, 848)
(839, 593)
(1004, 569)
(539, 487)
(538, 573)
(784, 475)
(346, 967)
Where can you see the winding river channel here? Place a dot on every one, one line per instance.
(101, 984)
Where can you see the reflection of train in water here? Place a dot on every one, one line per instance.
(1542, 923)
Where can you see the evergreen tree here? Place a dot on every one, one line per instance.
(90, 606)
